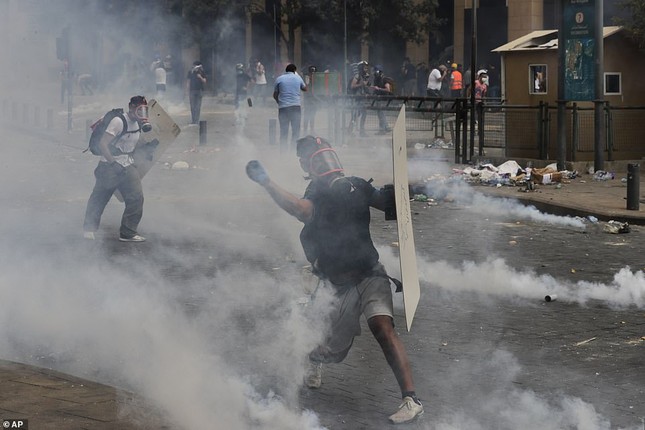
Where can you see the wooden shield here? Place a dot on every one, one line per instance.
(407, 252)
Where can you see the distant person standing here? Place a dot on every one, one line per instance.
(260, 88)
(160, 78)
(422, 78)
(242, 84)
(286, 93)
(435, 78)
(195, 82)
(310, 102)
(456, 82)
(408, 77)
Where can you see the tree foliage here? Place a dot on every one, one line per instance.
(635, 23)
(409, 20)
(197, 21)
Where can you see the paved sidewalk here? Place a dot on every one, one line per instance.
(582, 196)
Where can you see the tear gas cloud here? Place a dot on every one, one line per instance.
(226, 343)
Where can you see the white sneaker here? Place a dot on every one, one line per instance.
(407, 412)
(89, 235)
(313, 377)
(135, 238)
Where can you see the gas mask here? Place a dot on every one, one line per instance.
(317, 157)
(324, 162)
(141, 115)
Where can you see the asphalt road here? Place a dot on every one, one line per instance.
(203, 311)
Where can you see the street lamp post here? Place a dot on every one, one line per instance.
(473, 71)
(345, 43)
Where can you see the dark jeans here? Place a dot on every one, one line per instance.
(359, 115)
(382, 121)
(289, 116)
(109, 178)
(311, 108)
(195, 97)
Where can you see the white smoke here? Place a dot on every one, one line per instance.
(497, 403)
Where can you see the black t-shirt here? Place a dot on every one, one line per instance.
(194, 82)
(242, 81)
(409, 72)
(338, 237)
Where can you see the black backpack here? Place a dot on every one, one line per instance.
(99, 127)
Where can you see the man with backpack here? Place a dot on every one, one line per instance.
(115, 138)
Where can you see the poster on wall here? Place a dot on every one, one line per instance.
(578, 55)
(538, 78)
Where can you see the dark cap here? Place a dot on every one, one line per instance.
(138, 100)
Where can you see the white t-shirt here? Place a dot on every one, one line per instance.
(260, 77)
(160, 76)
(434, 80)
(128, 141)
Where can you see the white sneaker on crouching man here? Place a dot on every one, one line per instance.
(409, 409)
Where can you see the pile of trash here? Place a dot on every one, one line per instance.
(512, 174)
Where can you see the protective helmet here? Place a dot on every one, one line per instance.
(317, 157)
(239, 68)
(312, 69)
(378, 70)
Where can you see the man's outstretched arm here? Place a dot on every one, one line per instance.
(303, 209)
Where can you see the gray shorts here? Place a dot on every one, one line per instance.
(371, 297)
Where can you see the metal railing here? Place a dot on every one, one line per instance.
(519, 131)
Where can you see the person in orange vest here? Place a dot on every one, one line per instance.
(456, 82)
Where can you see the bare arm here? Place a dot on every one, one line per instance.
(303, 209)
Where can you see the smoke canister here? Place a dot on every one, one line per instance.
(550, 298)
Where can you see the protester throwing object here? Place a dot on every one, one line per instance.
(336, 240)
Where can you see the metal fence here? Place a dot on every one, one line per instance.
(518, 131)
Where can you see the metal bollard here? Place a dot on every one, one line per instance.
(272, 131)
(633, 186)
(202, 132)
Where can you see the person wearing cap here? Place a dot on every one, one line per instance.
(287, 93)
(116, 171)
(456, 82)
(336, 240)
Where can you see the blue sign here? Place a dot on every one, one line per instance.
(578, 53)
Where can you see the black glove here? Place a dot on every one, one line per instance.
(256, 172)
